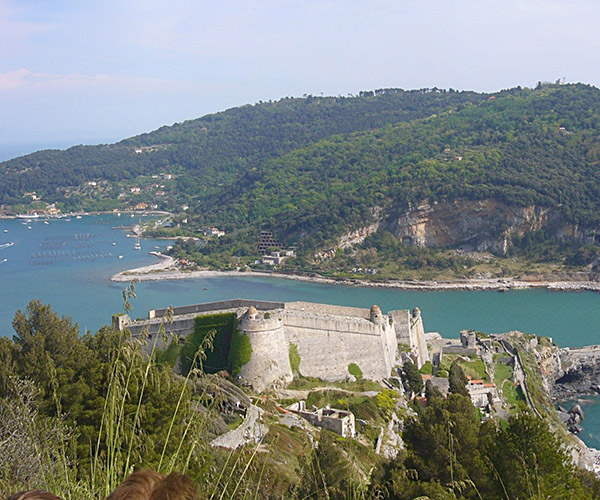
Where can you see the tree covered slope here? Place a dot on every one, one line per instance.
(314, 168)
(222, 147)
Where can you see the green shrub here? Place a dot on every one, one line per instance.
(427, 368)
(386, 402)
(223, 325)
(240, 352)
(294, 359)
(170, 354)
(354, 370)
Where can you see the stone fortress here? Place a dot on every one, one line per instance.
(327, 338)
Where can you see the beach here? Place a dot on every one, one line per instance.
(167, 269)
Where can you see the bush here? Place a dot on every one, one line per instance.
(355, 371)
(295, 359)
(240, 352)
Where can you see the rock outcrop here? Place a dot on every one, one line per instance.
(483, 225)
(580, 372)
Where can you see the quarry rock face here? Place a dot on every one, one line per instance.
(482, 225)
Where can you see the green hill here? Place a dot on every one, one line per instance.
(219, 148)
(520, 166)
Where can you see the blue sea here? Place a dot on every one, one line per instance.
(68, 263)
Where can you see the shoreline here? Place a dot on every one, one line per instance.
(101, 212)
(166, 270)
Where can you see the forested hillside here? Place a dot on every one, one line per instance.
(222, 147)
(313, 169)
(523, 147)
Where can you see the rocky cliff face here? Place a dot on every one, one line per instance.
(580, 372)
(483, 225)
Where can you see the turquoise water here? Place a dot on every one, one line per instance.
(591, 422)
(68, 264)
(76, 283)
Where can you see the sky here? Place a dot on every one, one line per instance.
(88, 72)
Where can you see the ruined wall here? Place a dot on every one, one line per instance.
(409, 330)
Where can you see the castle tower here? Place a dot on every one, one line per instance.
(416, 313)
(376, 316)
(269, 364)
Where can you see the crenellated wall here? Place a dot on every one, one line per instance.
(328, 338)
(328, 344)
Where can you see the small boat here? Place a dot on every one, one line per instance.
(114, 243)
(28, 227)
(5, 260)
(6, 230)
(137, 245)
(120, 256)
(46, 222)
(78, 217)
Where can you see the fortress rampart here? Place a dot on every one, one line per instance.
(328, 338)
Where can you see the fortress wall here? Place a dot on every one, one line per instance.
(216, 306)
(320, 322)
(178, 327)
(273, 322)
(328, 345)
(357, 312)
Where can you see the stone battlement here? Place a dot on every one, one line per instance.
(328, 339)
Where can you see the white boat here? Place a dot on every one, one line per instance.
(6, 230)
(28, 216)
(120, 256)
(28, 227)
(114, 243)
(78, 217)
(137, 245)
(46, 222)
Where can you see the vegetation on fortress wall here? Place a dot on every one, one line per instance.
(295, 359)
(222, 325)
(355, 371)
(240, 352)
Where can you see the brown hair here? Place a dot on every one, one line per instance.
(33, 495)
(175, 487)
(148, 485)
(138, 486)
